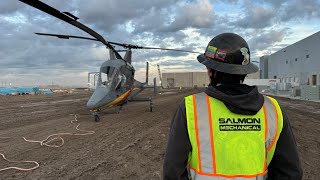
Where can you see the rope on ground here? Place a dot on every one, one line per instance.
(46, 142)
(17, 168)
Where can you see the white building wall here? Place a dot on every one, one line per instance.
(253, 76)
(297, 63)
(261, 82)
(201, 79)
(264, 67)
(187, 79)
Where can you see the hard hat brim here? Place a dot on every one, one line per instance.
(227, 68)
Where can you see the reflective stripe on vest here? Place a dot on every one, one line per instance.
(229, 145)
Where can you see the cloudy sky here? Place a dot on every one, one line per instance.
(28, 59)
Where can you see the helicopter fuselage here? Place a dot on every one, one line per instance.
(114, 85)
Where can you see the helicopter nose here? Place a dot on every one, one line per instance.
(98, 95)
(91, 105)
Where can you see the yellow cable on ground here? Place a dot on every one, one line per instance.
(45, 142)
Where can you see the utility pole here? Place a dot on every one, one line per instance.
(159, 75)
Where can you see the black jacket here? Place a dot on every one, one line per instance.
(240, 99)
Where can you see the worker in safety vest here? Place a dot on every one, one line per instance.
(230, 131)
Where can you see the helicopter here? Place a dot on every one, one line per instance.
(115, 84)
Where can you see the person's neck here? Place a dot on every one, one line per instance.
(219, 84)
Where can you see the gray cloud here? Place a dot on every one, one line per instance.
(264, 13)
(108, 14)
(276, 3)
(9, 6)
(62, 5)
(256, 16)
(153, 22)
(266, 39)
(299, 9)
(197, 15)
(229, 1)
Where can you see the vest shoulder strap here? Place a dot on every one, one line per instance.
(274, 123)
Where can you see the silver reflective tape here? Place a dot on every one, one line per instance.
(204, 133)
(272, 123)
(196, 176)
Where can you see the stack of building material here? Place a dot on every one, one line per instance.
(8, 91)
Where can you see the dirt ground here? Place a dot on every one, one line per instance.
(129, 145)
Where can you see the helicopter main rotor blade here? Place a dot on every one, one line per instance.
(122, 50)
(132, 46)
(71, 19)
(168, 49)
(62, 36)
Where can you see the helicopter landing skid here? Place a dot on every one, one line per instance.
(96, 116)
(151, 105)
(120, 108)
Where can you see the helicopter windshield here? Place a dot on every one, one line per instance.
(107, 75)
(112, 77)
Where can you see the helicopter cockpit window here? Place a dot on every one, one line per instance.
(122, 81)
(114, 78)
(108, 74)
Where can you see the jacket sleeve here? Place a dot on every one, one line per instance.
(178, 147)
(285, 163)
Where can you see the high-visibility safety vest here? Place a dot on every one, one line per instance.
(227, 145)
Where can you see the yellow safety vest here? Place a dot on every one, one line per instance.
(227, 145)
